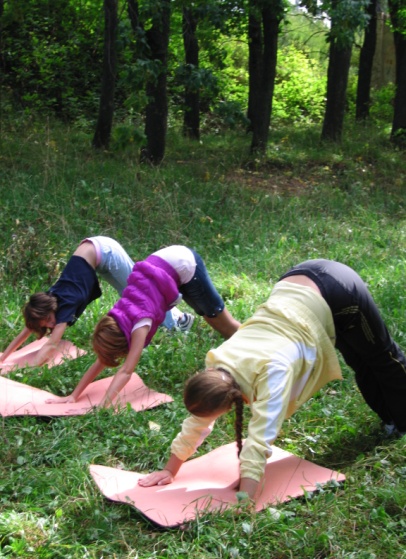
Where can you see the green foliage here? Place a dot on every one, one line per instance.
(299, 88)
(382, 104)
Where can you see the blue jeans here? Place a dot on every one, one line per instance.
(362, 338)
(200, 293)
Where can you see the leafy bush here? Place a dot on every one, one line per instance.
(299, 88)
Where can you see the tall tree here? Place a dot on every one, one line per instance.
(346, 17)
(397, 11)
(191, 118)
(337, 79)
(102, 133)
(264, 20)
(363, 99)
(156, 113)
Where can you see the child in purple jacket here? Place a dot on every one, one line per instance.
(154, 286)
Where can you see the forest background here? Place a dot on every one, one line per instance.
(74, 163)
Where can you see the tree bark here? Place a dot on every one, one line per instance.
(191, 117)
(157, 108)
(363, 99)
(337, 79)
(102, 134)
(263, 30)
(398, 133)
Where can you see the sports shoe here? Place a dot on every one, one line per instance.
(185, 322)
(391, 430)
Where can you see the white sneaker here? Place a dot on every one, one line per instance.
(185, 322)
(389, 429)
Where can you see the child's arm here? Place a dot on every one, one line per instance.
(48, 350)
(165, 476)
(249, 486)
(87, 378)
(15, 344)
(124, 373)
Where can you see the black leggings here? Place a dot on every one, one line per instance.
(362, 338)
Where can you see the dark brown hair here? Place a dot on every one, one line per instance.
(38, 308)
(214, 391)
(109, 342)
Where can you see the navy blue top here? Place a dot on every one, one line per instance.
(76, 288)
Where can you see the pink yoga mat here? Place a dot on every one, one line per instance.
(25, 356)
(208, 484)
(21, 399)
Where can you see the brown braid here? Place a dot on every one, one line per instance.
(215, 391)
(239, 413)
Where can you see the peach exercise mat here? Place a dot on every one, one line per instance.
(24, 357)
(208, 484)
(21, 399)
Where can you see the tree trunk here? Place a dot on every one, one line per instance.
(102, 134)
(157, 109)
(365, 64)
(263, 30)
(398, 133)
(191, 117)
(133, 14)
(337, 79)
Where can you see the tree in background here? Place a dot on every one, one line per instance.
(101, 138)
(397, 10)
(264, 20)
(191, 115)
(156, 112)
(347, 16)
(363, 99)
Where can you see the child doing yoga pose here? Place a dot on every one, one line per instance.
(77, 287)
(284, 354)
(153, 287)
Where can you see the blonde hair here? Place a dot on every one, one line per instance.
(214, 391)
(109, 342)
(38, 308)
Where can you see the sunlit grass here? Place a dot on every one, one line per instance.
(250, 220)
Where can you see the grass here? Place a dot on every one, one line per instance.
(251, 220)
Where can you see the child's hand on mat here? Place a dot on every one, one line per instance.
(163, 477)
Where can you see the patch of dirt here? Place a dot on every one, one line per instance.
(274, 183)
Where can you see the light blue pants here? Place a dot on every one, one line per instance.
(114, 266)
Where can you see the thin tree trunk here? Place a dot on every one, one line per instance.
(157, 108)
(337, 79)
(263, 30)
(365, 64)
(398, 133)
(102, 134)
(191, 117)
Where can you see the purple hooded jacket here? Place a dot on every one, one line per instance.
(152, 289)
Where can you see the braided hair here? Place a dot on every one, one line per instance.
(215, 391)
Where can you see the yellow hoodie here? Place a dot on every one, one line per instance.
(280, 357)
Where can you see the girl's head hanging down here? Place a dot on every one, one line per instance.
(109, 342)
(213, 392)
(39, 313)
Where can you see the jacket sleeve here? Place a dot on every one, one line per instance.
(194, 431)
(268, 412)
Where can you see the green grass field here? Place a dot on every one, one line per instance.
(250, 220)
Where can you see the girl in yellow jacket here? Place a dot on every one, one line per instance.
(282, 356)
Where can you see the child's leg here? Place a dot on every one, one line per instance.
(202, 296)
(114, 264)
(363, 339)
